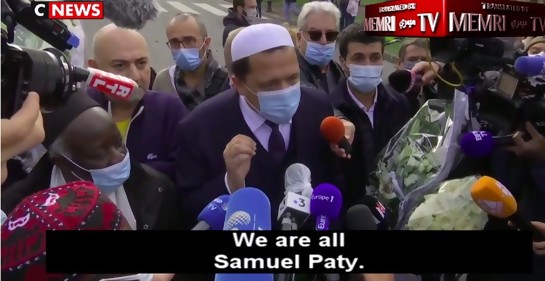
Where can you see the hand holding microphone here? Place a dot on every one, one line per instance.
(427, 70)
(496, 200)
(339, 134)
(539, 247)
(531, 149)
(238, 156)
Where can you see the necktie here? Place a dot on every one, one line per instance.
(277, 146)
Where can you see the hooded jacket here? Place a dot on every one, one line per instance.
(232, 22)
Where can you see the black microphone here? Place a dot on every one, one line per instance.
(360, 217)
(133, 14)
(380, 214)
(405, 81)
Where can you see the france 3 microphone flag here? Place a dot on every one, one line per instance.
(248, 209)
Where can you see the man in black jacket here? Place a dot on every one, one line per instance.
(242, 14)
(376, 111)
(84, 144)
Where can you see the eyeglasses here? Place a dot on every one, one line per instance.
(184, 42)
(316, 35)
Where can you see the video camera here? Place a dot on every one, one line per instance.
(47, 72)
(502, 106)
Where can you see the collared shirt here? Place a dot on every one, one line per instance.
(369, 112)
(261, 131)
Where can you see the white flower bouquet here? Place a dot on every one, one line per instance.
(451, 208)
(421, 155)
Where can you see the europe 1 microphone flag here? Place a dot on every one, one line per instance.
(325, 204)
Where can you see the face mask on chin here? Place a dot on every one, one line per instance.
(279, 106)
(108, 179)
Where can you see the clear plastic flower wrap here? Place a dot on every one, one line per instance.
(421, 155)
(451, 208)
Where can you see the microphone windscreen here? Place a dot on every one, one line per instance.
(244, 277)
(400, 80)
(477, 144)
(530, 66)
(359, 217)
(214, 213)
(132, 14)
(326, 200)
(248, 209)
(493, 197)
(297, 178)
(332, 129)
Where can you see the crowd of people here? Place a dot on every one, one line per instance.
(202, 129)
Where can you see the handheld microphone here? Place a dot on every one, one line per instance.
(378, 211)
(295, 208)
(212, 216)
(133, 14)
(325, 204)
(248, 209)
(481, 143)
(530, 66)
(360, 217)
(112, 85)
(404, 81)
(332, 129)
(496, 200)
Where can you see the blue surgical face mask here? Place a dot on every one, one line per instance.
(318, 54)
(187, 59)
(542, 54)
(111, 178)
(279, 106)
(365, 77)
(410, 64)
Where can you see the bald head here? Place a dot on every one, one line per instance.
(227, 48)
(121, 51)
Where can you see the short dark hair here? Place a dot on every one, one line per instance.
(239, 3)
(241, 67)
(356, 33)
(418, 42)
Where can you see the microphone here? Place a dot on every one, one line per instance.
(112, 85)
(248, 209)
(404, 81)
(530, 66)
(133, 14)
(325, 204)
(360, 217)
(212, 216)
(378, 211)
(332, 129)
(295, 208)
(481, 143)
(496, 200)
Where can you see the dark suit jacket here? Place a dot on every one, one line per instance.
(150, 194)
(391, 113)
(206, 131)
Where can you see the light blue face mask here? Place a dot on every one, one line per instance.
(187, 59)
(318, 54)
(279, 106)
(111, 178)
(365, 77)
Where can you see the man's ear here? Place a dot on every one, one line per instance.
(92, 63)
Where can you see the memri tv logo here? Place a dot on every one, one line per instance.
(68, 10)
(454, 18)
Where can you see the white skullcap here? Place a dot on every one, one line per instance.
(258, 38)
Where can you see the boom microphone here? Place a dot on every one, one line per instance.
(325, 204)
(404, 81)
(112, 85)
(530, 66)
(332, 129)
(496, 200)
(481, 143)
(248, 209)
(212, 216)
(359, 217)
(133, 14)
